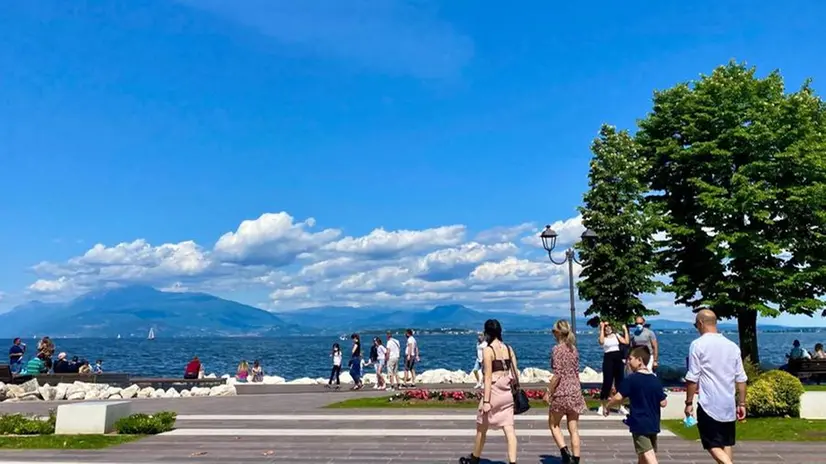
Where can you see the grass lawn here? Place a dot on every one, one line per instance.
(65, 441)
(384, 402)
(763, 429)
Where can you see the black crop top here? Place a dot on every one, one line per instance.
(498, 365)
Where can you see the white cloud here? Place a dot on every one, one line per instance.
(2, 296)
(382, 244)
(272, 239)
(297, 267)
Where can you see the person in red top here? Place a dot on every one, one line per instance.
(192, 368)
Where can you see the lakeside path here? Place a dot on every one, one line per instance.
(295, 428)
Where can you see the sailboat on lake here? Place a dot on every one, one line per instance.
(151, 335)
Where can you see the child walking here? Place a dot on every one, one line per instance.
(647, 396)
(335, 373)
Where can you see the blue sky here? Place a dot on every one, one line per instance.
(368, 143)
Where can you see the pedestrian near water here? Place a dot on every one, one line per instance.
(243, 371)
(16, 353)
(643, 336)
(716, 367)
(335, 371)
(411, 357)
(378, 363)
(613, 362)
(257, 372)
(647, 397)
(481, 344)
(565, 392)
(393, 355)
(496, 406)
(355, 362)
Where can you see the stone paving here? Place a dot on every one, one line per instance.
(294, 428)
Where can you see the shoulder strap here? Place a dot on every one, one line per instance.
(492, 351)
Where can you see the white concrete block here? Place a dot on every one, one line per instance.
(813, 405)
(90, 418)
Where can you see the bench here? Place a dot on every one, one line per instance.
(8, 378)
(177, 383)
(115, 380)
(814, 369)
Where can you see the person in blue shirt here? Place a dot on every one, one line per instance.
(647, 396)
(16, 352)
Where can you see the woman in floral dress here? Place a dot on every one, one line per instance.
(565, 392)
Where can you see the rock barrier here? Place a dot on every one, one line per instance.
(77, 391)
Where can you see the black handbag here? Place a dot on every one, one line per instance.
(521, 404)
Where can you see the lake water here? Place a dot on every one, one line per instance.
(308, 356)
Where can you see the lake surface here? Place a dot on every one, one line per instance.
(308, 356)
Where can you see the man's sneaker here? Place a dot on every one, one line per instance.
(478, 386)
(601, 411)
(624, 411)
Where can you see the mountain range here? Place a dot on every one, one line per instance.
(133, 310)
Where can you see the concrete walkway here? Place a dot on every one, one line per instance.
(294, 428)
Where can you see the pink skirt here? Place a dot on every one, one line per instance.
(501, 405)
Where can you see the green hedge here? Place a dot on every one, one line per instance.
(775, 394)
(18, 424)
(145, 424)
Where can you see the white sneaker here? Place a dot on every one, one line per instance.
(601, 412)
(624, 411)
(478, 386)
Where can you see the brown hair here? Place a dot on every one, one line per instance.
(563, 332)
(642, 353)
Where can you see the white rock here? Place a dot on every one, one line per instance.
(534, 375)
(185, 394)
(116, 396)
(111, 391)
(301, 381)
(200, 391)
(589, 375)
(30, 386)
(369, 379)
(76, 395)
(159, 393)
(146, 392)
(29, 396)
(346, 378)
(434, 376)
(273, 380)
(222, 390)
(3, 389)
(94, 394)
(321, 381)
(226, 376)
(130, 392)
(48, 393)
(60, 391)
(14, 391)
(211, 376)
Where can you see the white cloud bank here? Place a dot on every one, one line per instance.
(298, 265)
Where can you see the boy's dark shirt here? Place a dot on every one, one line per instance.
(645, 393)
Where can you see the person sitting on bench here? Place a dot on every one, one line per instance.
(192, 369)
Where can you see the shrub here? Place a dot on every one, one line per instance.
(145, 424)
(752, 369)
(18, 424)
(775, 394)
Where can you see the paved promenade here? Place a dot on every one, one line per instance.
(295, 428)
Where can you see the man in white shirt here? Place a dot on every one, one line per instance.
(411, 357)
(393, 353)
(715, 366)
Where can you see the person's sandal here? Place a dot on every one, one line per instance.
(470, 459)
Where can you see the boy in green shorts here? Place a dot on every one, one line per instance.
(647, 396)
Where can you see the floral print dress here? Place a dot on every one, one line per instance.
(567, 398)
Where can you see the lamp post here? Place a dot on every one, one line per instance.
(549, 237)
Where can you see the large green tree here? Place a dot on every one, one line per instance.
(620, 262)
(738, 175)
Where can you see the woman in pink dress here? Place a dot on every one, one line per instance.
(565, 392)
(496, 406)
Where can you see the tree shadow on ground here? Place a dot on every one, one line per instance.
(545, 459)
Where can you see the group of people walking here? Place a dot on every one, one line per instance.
(715, 368)
(383, 357)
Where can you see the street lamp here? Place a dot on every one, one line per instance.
(549, 237)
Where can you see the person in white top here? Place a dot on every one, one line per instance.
(481, 344)
(613, 362)
(393, 353)
(411, 357)
(715, 366)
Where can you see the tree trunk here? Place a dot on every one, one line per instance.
(747, 328)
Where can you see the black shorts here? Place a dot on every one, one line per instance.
(409, 364)
(715, 434)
